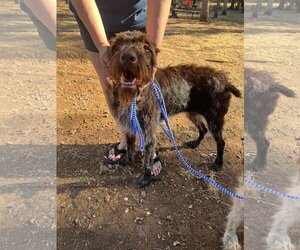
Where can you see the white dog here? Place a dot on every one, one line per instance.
(234, 219)
(286, 217)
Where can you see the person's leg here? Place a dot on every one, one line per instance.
(94, 57)
(106, 88)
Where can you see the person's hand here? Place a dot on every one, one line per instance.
(103, 51)
(155, 68)
(103, 54)
(153, 73)
(104, 74)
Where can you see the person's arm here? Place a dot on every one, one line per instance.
(157, 18)
(45, 11)
(90, 16)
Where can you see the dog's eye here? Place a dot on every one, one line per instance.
(146, 47)
(115, 47)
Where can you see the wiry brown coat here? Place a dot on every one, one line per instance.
(261, 96)
(203, 92)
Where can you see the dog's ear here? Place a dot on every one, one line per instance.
(157, 50)
(154, 48)
(112, 43)
(154, 51)
(115, 43)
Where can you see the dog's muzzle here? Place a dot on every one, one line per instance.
(128, 79)
(128, 63)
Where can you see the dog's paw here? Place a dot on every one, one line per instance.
(256, 165)
(279, 242)
(191, 144)
(230, 242)
(145, 180)
(217, 166)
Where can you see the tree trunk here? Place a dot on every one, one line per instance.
(204, 11)
(217, 8)
(269, 9)
(224, 11)
(298, 5)
(255, 11)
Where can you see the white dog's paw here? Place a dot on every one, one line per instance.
(279, 242)
(231, 242)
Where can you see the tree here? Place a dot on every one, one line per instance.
(204, 14)
(224, 11)
(269, 9)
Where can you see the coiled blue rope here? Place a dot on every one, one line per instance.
(136, 128)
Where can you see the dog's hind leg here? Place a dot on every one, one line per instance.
(215, 125)
(262, 146)
(197, 119)
(287, 216)
(234, 219)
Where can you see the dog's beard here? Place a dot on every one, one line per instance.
(126, 96)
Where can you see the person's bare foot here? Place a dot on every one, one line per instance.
(156, 167)
(118, 152)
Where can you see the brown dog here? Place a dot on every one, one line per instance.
(202, 92)
(261, 96)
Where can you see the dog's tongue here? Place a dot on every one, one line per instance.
(126, 83)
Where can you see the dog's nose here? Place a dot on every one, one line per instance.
(128, 56)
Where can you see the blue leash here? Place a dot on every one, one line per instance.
(269, 190)
(136, 128)
(135, 125)
(160, 101)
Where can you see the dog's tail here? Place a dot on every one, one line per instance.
(283, 90)
(233, 90)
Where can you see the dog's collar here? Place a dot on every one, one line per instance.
(138, 98)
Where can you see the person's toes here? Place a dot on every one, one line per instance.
(159, 169)
(111, 153)
(117, 157)
(156, 169)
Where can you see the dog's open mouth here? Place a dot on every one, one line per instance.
(128, 79)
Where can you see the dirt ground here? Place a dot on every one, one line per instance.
(27, 134)
(272, 45)
(100, 206)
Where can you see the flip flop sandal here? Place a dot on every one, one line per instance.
(123, 160)
(155, 160)
(146, 178)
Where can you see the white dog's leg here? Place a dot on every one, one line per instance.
(287, 215)
(234, 219)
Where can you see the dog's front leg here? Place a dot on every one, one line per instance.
(130, 140)
(148, 154)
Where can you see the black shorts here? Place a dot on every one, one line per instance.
(87, 39)
(117, 16)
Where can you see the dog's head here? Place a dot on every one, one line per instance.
(132, 58)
